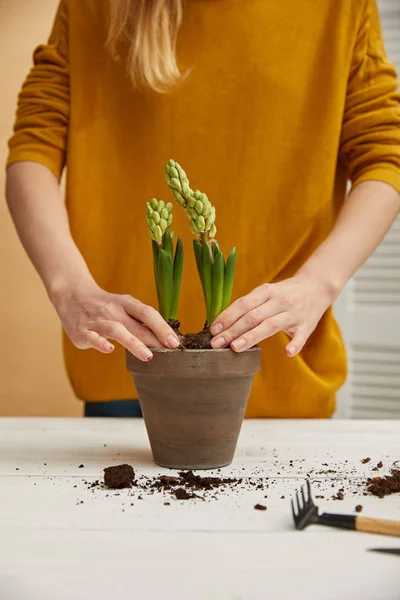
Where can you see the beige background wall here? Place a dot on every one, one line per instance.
(32, 378)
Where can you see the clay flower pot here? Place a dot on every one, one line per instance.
(193, 403)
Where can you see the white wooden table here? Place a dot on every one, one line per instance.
(54, 547)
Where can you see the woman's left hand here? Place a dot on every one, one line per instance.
(294, 306)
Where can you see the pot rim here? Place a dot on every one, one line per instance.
(201, 350)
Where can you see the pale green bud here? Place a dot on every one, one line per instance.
(192, 213)
(211, 218)
(200, 223)
(157, 234)
(199, 207)
(176, 184)
(169, 206)
(161, 205)
(207, 207)
(151, 224)
(213, 231)
(156, 218)
(149, 210)
(154, 203)
(194, 229)
(186, 192)
(169, 220)
(164, 213)
(163, 225)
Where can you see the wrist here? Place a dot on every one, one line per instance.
(326, 283)
(62, 288)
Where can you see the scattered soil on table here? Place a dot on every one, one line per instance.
(384, 486)
(380, 465)
(260, 507)
(359, 508)
(189, 481)
(365, 460)
(118, 477)
(81, 466)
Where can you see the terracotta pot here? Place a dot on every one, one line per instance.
(193, 404)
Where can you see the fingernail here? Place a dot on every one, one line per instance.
(239, 344)
(109, 348)
(218, 343)
(173, 341)
(291, 351)
(145, 354)
(217, 328)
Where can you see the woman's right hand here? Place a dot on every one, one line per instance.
(91, 316)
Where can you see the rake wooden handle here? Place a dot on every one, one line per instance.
(381, 526)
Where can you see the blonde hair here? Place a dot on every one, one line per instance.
(150, 28)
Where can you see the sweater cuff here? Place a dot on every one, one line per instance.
(55, 164)
(385, 174)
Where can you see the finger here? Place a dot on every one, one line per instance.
(153, 320)
(248, 322)
(298, 342)
(119, 333)
(263, 331)
(239, 308)
(96, 341)
(140, 331)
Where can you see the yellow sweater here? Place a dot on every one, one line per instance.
(285, 102)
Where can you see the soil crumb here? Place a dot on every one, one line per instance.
(384, 486)
(260, 507)
(182, 494)
(359, 508)
(118, 477)
(365, 461)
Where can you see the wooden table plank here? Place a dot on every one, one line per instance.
(51, 546)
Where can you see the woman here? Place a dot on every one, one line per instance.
(271, 108)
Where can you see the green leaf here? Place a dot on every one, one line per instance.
(207, 277)
(168, 246)
(215, 249)
(229, 279)
(177, 278)
(165, 283)
(198, 253)
(217, 285)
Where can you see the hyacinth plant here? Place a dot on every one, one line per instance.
(167, 261)
(215, 274)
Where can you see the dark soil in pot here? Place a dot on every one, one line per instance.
(193, 341)
(193, 403)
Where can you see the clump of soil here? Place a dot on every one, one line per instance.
(365, 460)
(359, 508)
(118, 477)
(384, 486)
(260, 507)
(193, 341)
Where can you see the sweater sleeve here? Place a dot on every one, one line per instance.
(370, 143)
(41, 124)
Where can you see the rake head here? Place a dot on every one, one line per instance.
(306, 513)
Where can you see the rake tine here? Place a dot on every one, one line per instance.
(298, 502)
(293, 510)
(310, 500)
(303, 496)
